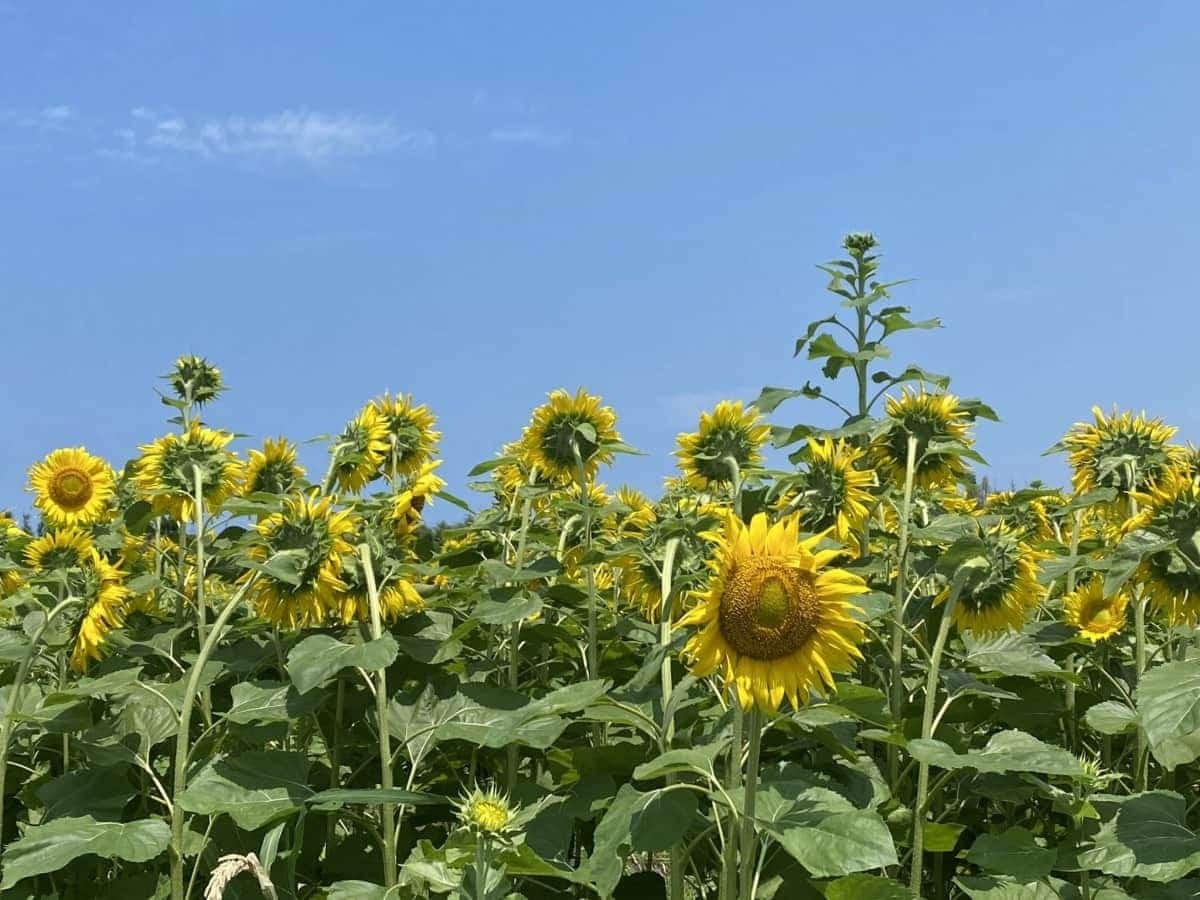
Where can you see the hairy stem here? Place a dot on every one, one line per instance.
(898, 603)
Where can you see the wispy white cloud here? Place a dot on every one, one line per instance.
(529, 135)
(297, 135)
(48, 118)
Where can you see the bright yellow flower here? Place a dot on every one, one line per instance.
(310, 526)
(165, 473)
(1001, 595)
(272, 470)
(931, 419)
(106, 612)
(410, 434)
(777, 620)
(67, 548)
(568, 432)
(409, 505)
(72, 487)
(836, 493)
(360, 451)
(486, 812)
(729, 432)
(1093, 615)
(1170, 579)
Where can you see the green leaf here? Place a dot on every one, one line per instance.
(1129, 555)
(605, 866)
(696, 760)
(360, 890)
(49, 847)
(867, 887)
(1013, 653)
(338, 797)
(1111, 717)
(495, 717)
(270, 701)
(286, 566)
(253, 788)
(1146, 838)
(1168, 704)
(945, 529)
(1008, 751)
(316, 659)
(1013, 852)
(503, 606)
(941, 837)
(1003, 889)
(661, 819)
(101, 794)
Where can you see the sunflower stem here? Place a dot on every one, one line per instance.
(62, 686)
(678, 855)
(388, 810)
(335, 761)
(1141, 762)
(514, 635)
(931, 682)
(897, 655)
(735, 485)
(754, 728)
(729, 869)
(14, 694)
(201, 608)
(182, 739)
(1072, 718)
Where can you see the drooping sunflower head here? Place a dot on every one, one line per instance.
(728, 434)
(108, 602)
(777, 619)
(1027, 516)
(487, 813)
(634, 515)
(410, 434)
(938, 423)
(409, 505)
(568, 433)
(166, 471)
(272, 470)
(57, 551)
(837, 494)
(360, 451)
(72, 487)
(397, 595)
(999, 595)
(1123, 451)
(1093, 615)
(312, 538)
(1170, 579)
(195, 380)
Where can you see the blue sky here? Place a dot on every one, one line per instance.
(477, 203)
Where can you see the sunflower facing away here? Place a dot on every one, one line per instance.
(1029, 519)
(1170, 579)
(410, 503)
(776, 618)
(360, 451)
(837, 494)
(10, 534)
(729, 432)
(196, 380)
(272, 470)
(411, 438)
(397, 596)
(71, 487)
(567, 431)
(1121, 451)
(931, 419)
(1000, 595)
(165, 473)
(109, 601)
(1093, 615)
(318, 538)
(67, 548)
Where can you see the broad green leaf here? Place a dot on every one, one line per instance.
(316, 659)
(253, 788)
(1184, 889)
(504, 606)
(1146, 838)
(698, 760)
(1013, 852)
(49, 847)
(360, 890)
(606, 864)
(1168, 703)
(941, 837)
(336, 797)
(270, 701)
(1128, 556)
(661, 819)
(101, 794)
(1009, 654)
(867, 887)
(1008, 751)
(1111, 717)
(495, 717)
(1003, 889)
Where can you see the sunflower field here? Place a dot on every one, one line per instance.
(839, 668)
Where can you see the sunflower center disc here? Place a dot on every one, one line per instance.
(71, 488)
(768, 610)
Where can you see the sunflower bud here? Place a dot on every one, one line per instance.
(195, 380)
(859, 243)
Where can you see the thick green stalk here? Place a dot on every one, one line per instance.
(1141, 762)
(201, 605)
(931, 682)
(14, 694)
(678, 855)
(388, 810)
(182, 739)
(898, 603)
(733, 783)
(335, 760)
(514, 634)
(749, 850)
(1072, 718)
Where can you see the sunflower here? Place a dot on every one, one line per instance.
(567, 432)
(67, 548)
(488, 813)
(933, 419)
(1029, 519)
(636, 516)
(1093, 615)
(641, 584)
(360, 451)
(397, 597)
(836, 493)
(1122, 451)
(956, 502)
(272, 470)
(110, 600)
(196, 380)
(166, 471)
(727, 433)
(72, 487)
(999, 596)
(776, 618)
(409, 504)
(316, 537)
(411, 438)
(10, 536)
(1170, 579)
